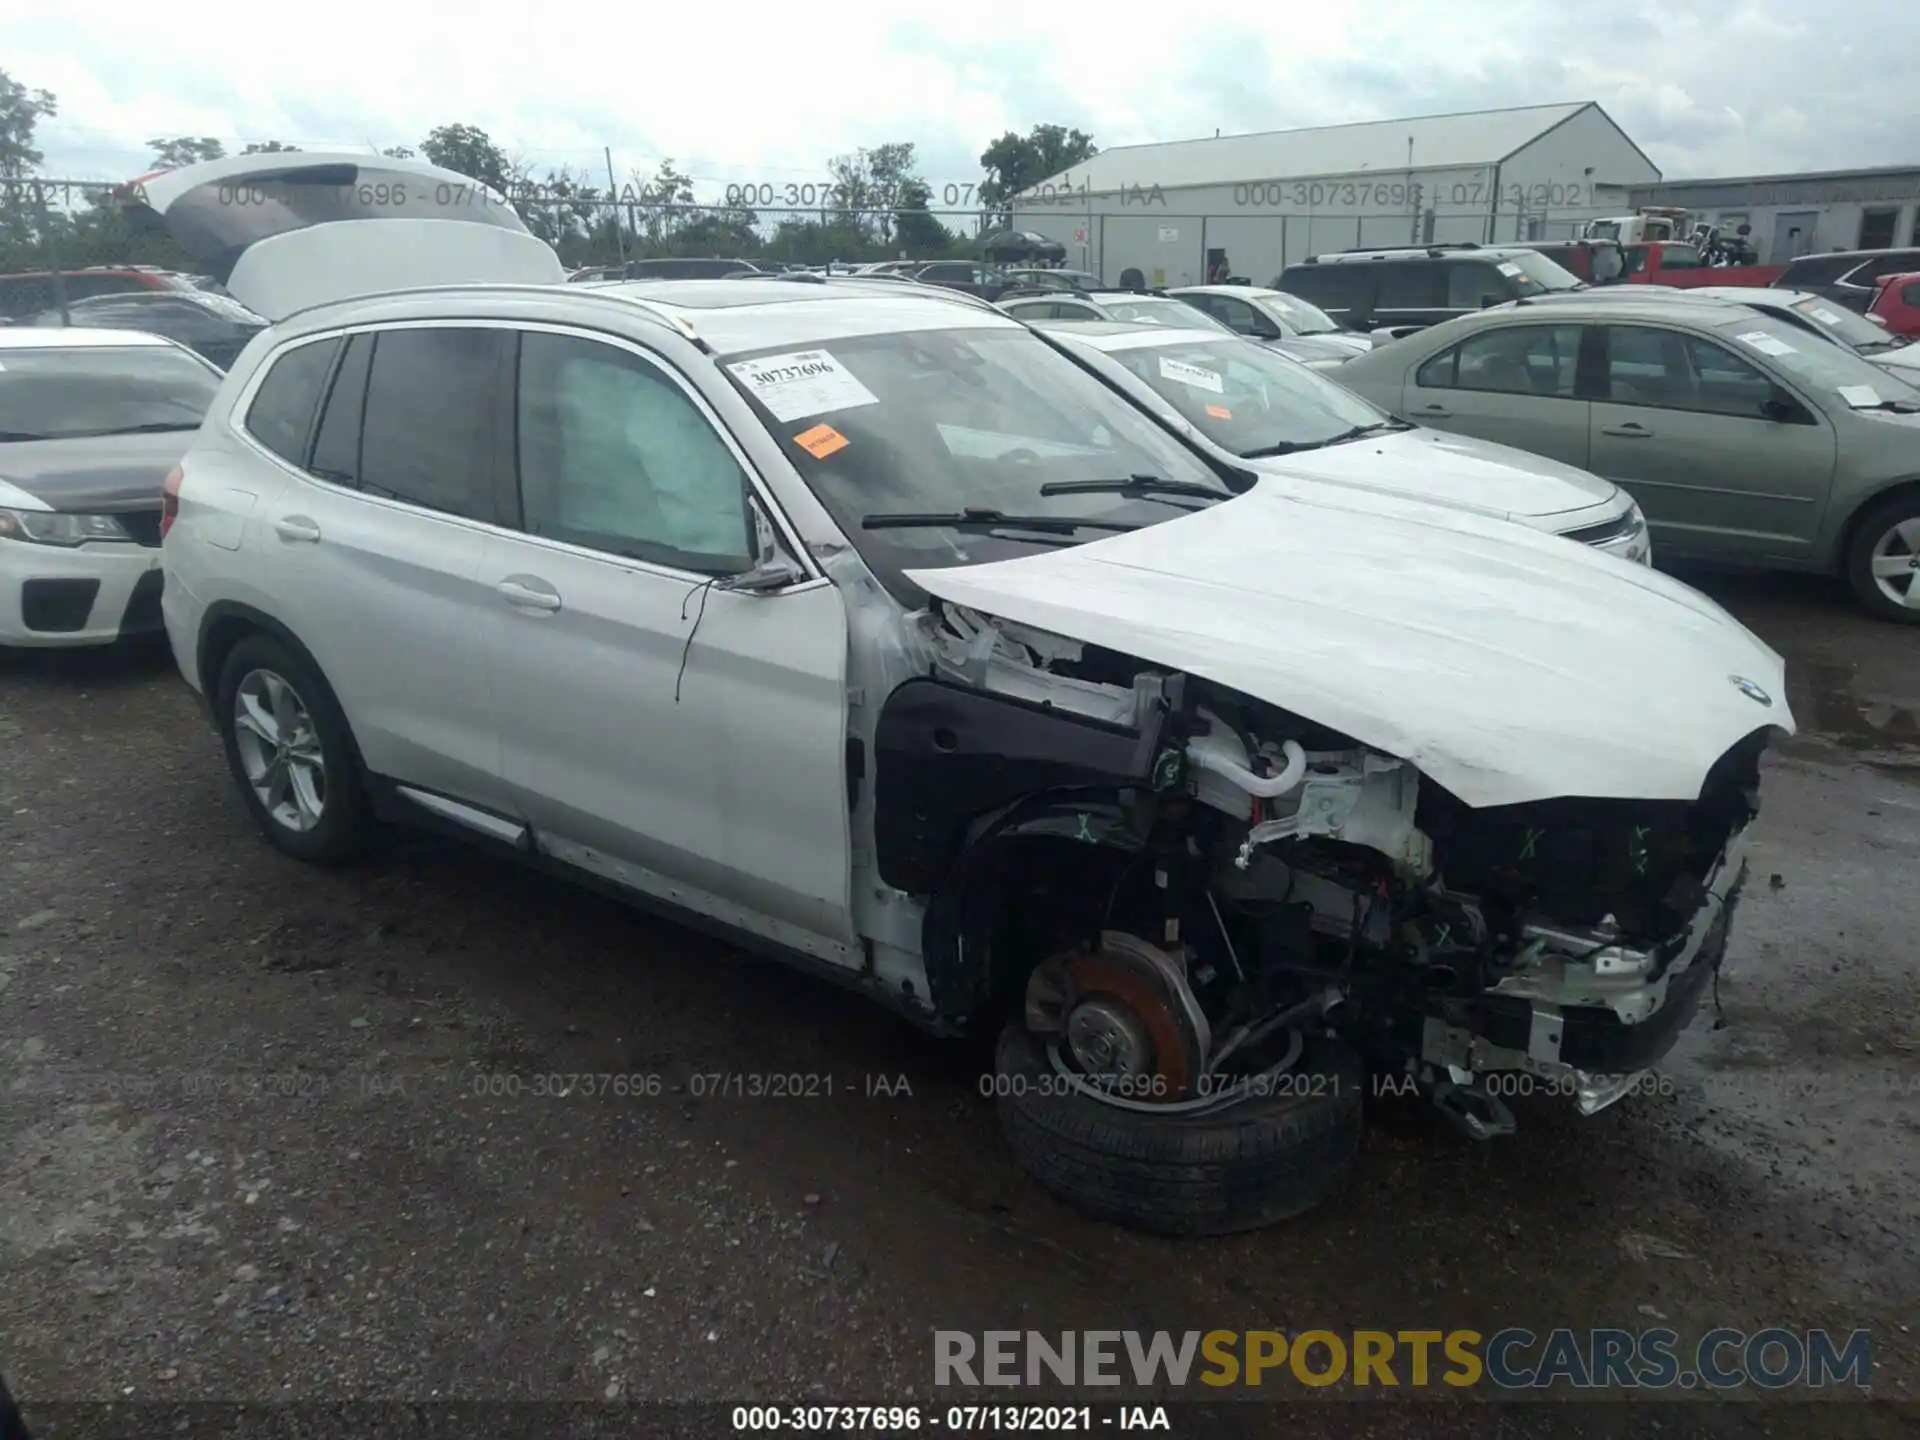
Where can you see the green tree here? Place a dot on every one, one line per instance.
(914, 228)
(1015, 161)
(185, 150)
(468, 150)
(270, 147)
(21, 111)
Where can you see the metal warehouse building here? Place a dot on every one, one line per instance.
(1793, 214)
(1270, 199)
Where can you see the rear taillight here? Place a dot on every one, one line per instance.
(170, 500)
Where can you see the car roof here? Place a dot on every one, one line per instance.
(729, 316)
(1417, 252)
(1708, 311)
(1179, 290)
(1128, 334)
(59, 337)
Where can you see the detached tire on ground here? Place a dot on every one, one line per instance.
(1262, 1160)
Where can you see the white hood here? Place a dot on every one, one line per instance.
(289, 230)
(1506, 665)
(1457, 470)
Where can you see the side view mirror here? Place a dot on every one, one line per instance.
(772, 569)
(1781, 408)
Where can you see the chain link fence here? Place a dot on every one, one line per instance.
(55, 227)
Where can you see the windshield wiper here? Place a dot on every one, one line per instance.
(1898, 407)
(1292, 447)
(978, 519)
(1148, 486)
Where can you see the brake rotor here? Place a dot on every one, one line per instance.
(1120, 1011)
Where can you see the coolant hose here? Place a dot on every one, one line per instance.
(1264, 788)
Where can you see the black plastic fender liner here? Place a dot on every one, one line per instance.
(946, 754)
(960, 964)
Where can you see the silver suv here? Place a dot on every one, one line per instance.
(860, 622)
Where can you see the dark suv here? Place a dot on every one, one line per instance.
(1848, 277)
(1414, 288)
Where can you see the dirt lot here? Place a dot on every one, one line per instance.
(256, 1145)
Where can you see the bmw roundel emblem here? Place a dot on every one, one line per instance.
(1752, 691)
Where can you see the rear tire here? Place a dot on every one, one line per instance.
(306, 795)
(1888, 537)
(1255, 1163)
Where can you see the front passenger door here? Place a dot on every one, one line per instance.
(662, 731)
(1680, 425)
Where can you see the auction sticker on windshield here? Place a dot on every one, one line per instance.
(1767, 344)
(1508, 268)
(1184, 374)
(821, 441)
(802, 383)
(1860, 396)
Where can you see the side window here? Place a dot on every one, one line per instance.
(614, 456)
(426, 437)
(1636, 258)
(1470, 285)
(1725, 383)
(1408, 287)
(336, 444)
(282, 410)
(1438, 373)
(1681, 372)
(1520, 360)
(1910, 293)
(1236, 313)
(1680, 257)
(1645, 367)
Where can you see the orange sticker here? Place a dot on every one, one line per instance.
(821, 441)
(1220, 412)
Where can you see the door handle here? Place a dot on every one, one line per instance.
(1435, 410)
(528, 592)
(297, 528)
(1628, 431)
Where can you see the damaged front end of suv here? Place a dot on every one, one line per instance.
(1209, 922)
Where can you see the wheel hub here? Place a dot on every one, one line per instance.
(1121, 1010)
(1105, 1038)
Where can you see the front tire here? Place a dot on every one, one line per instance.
(1254, 1163)
(288, 748)
(1883, 561)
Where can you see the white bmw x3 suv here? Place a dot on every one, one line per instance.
(865, 624)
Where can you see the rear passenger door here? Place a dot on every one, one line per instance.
(660, 730)
(1408, 292)
(1516, 384)
(389, 439)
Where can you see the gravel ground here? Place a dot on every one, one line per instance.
(258, 1140)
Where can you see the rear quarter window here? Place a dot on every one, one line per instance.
(281, 415)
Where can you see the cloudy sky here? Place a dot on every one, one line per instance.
(1705, 88)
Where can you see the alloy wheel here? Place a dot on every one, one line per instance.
(280, 750)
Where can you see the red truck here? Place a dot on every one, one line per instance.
(1897, 304)
(1675, 263)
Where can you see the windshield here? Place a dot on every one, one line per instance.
(1829, 370)
(1534, 274)
(1248, 398)
(1297, 314)
(1162, 310)
(935, 422)
(1845, 326)
(60, 394)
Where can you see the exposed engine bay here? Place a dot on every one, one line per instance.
(1251, 875)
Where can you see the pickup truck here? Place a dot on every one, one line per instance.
(1674, 263)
